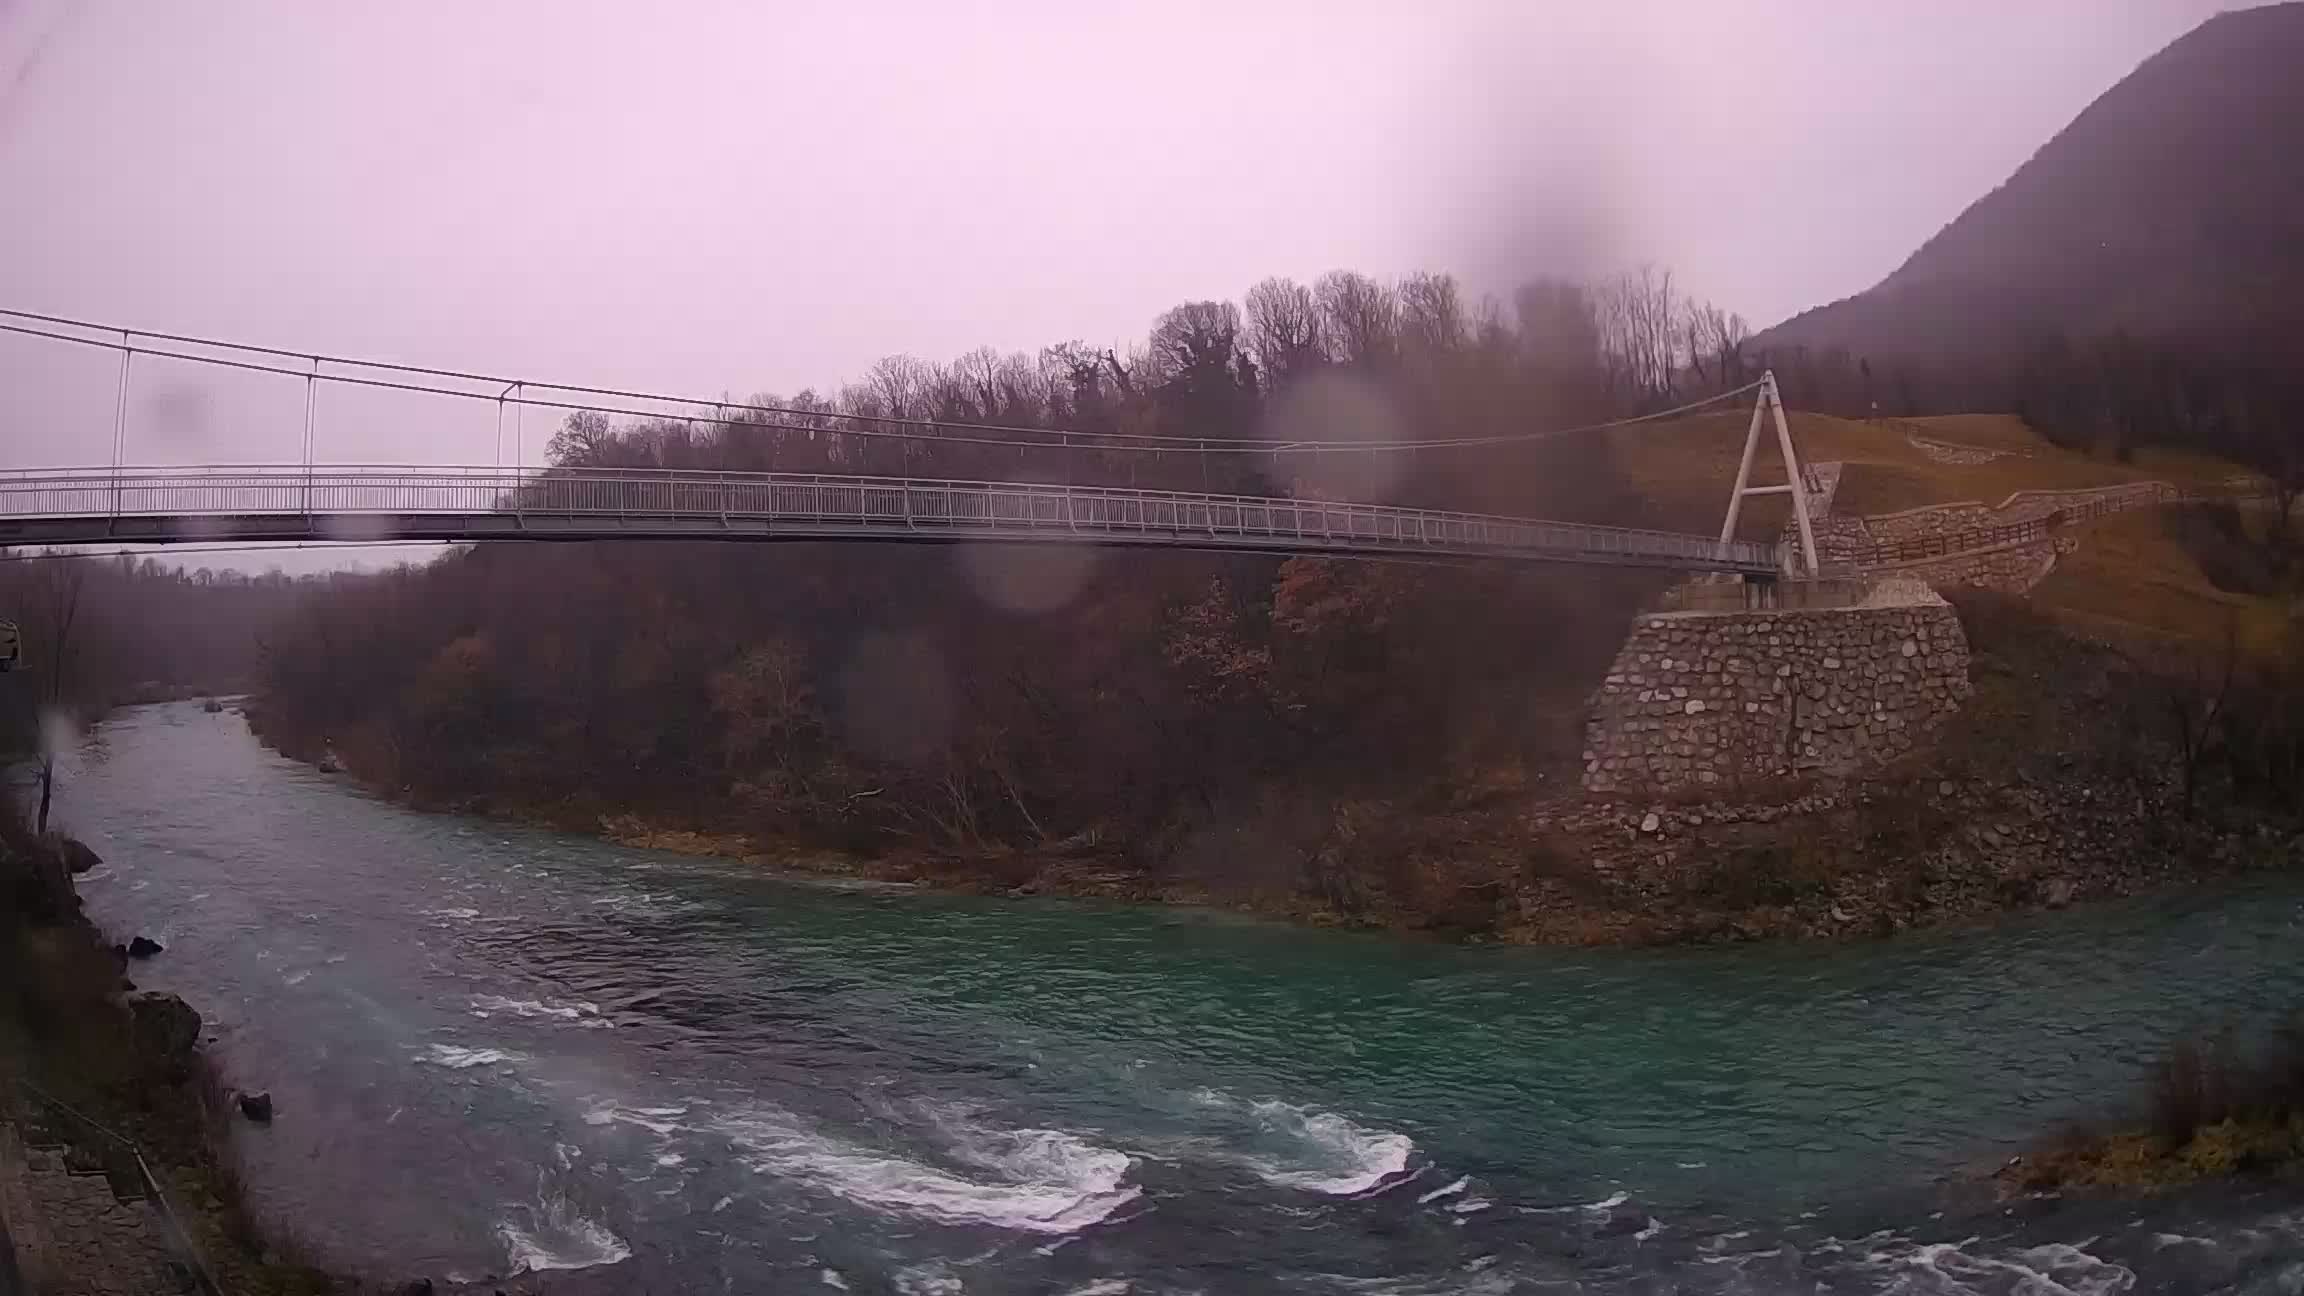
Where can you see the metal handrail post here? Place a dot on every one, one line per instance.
(120, 426)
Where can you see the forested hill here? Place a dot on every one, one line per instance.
(2172, 207)
(1196, 709)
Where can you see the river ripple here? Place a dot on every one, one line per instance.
(495, 1047)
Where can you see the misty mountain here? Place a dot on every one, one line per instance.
(2172, 207)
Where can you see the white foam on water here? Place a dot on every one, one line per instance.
(653, 1119)
(1104, 1287)
(1470, 1205)
(297, 977)
(1608, 1203)
(460, 915)
(930, 1279)
(2051, 1269)
(553, 1236)
(1032, 1180)
(1447, 1190)
(1654, 1227)
(1326, 1153)
(831, 1278)
(644, 904)
(458, 1058)
(579, 1011)
(671, 1159)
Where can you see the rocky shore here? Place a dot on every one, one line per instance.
(117, 1175)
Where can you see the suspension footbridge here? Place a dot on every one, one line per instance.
(309, 501)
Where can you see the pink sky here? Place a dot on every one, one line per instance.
(741, 197)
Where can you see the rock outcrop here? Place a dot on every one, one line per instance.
(163, 1028)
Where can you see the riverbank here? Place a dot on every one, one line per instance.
(2057, 783)
(115, 1132)
(2211, 1110)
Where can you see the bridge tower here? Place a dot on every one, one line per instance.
(1770, 405)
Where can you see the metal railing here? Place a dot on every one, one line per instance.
(64, 506)
(124, 1158)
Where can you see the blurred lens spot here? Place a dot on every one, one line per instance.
(178, 415)
(356, 526)
(200, 526)
(896, 699)
(1027, 579)
(1335, 407)
(58, 732)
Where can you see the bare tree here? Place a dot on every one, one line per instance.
(582, 438)
(1284, 328)
(1359, 318)
(1715, 343)
(977, 375)
(1432, 315)
(1639, 332)
(902, 384)
(1196, 338)
(2195, 700)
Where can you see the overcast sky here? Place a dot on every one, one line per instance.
(739, 197)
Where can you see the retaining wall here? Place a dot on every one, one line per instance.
(1713, 699)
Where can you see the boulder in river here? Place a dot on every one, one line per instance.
(77, 855)
(144, 947)
(257, 1107)
(163, 1027)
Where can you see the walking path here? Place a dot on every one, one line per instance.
(74, 1232)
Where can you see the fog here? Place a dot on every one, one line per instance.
(739, 197)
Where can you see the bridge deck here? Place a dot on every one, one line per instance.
(163, 505)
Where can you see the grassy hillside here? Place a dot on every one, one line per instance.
(2140, 579)
(2135, 578)
(1678, 471)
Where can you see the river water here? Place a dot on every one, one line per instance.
(495, 1048)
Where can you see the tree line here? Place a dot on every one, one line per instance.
(1181, 711)
(1195, 714)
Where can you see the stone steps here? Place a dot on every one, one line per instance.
(75, 1233)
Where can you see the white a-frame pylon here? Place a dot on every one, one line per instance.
(1795, 482)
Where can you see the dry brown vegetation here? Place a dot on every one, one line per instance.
(1678, 471)
(2212, 1110)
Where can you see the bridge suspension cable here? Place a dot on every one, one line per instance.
(515, 392)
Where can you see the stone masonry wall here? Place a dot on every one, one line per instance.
(2023, 506)
(2010, 569)
(1721, 699)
